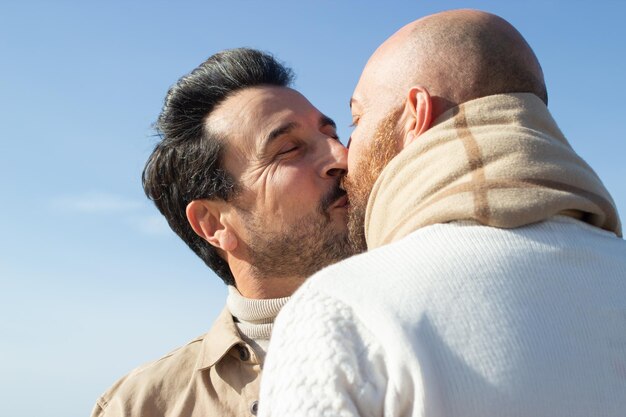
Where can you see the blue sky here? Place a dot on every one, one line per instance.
(92, 282)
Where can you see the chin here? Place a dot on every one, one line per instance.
(340, 222)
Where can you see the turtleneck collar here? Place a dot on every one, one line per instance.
(254, 318)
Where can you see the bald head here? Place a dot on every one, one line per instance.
(424, 69)
(457, 56)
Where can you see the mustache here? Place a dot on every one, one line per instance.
(334, 194)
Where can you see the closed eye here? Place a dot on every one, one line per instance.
(288, 149)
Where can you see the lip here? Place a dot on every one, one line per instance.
(342, 202)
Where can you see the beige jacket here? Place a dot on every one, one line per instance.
(217, 374)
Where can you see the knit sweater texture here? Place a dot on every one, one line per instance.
(460, 318)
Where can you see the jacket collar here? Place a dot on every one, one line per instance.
(222, 337)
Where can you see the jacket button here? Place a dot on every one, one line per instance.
(254, 408)
(244, 354)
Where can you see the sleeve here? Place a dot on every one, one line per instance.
(321, 362)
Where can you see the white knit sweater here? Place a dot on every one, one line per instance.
(520, 322)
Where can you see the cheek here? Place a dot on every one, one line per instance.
(293, 188)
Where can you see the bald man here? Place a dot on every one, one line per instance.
(495, 281)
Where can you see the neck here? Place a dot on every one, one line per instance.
(251, 284)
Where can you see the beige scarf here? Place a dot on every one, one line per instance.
(499, 160)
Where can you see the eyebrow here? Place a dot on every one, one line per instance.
(327, 121)
(279, 131)
(290, 126)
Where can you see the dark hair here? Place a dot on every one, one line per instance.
(186, 164)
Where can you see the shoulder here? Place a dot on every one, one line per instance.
(317, 327)
(314, 318)
(140, 385)
(446, 249)
(366, 276)
(322, 360)
(155, 386)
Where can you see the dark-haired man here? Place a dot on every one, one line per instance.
(495, 278)
(247, 174)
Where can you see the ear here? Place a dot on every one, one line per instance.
(419, 110)
(207, 219)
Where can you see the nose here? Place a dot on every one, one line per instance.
(337, 163)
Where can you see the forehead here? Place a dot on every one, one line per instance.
(376, 87)
(385, 73)
(253, 112)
